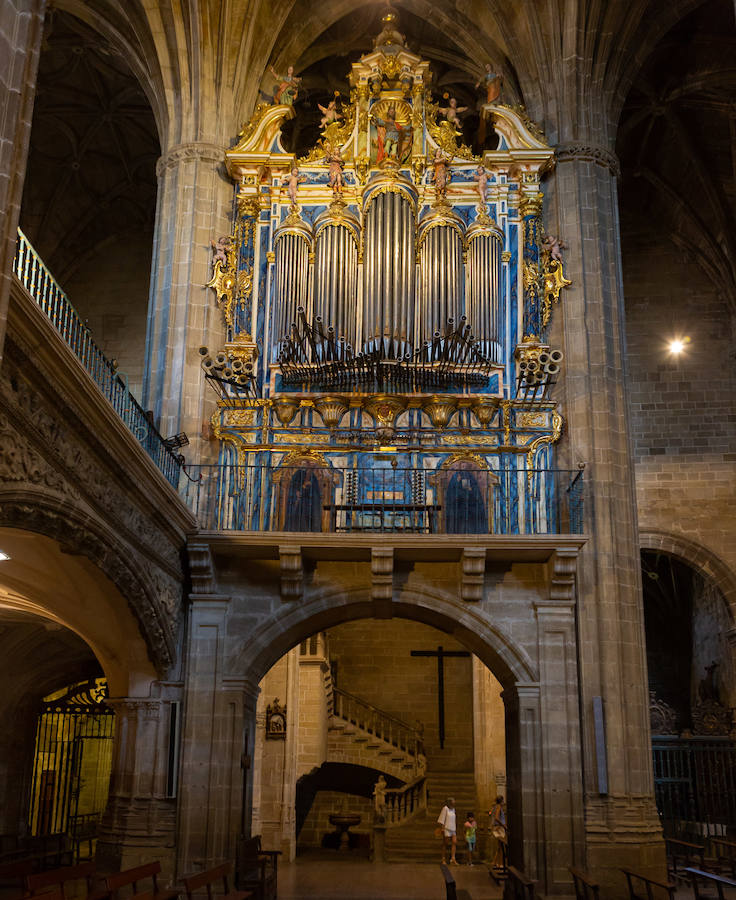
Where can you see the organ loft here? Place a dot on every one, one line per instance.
(366, 442)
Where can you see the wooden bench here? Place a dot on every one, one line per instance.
(719, 882)
(59, 878)
(585, 887)
(13, 874)
(257, 869)
(194, 883)
(131, 877)
(725, 854)
(686, 852)
(649, 886)
(450, 887)
(522, 888)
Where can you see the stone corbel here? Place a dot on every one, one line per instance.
(292, 572)
(562, 579)
(473, 565)
(382, 581)
(201, 569)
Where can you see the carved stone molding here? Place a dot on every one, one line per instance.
(201, 568)
(589, 153)
(382, 580)
(562, 578)
(473, 564)
(184, 152)
(292, 572)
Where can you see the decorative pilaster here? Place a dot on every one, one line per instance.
(139, 823)
(382, 581)
(530, 209)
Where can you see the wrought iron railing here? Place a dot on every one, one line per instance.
(380, 724)
(30, 270)
(392, 499)
(695, 785)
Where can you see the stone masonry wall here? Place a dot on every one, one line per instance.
(683, 412)
(374, 663)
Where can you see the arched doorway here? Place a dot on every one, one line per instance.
(365, 700)
(691, 682)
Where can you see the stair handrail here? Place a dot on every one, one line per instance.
(377, 722)
(405, 802)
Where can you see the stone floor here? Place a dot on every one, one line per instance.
(316, 878)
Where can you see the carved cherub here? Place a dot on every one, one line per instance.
(481, 176)
(452, 111)
(330, 113)
(220, 250)
(554, 247)
(334, 159)
(293, 180)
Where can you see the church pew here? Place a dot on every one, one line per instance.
(522, 888)
(257, 869)
(194, 883)
(450, 887)
(585, 887)
(687, 852)
(59, 878)
(131, 878)
(653, 890)
(719, 882)
(724, 852)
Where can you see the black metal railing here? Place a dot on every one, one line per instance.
(392, 499)
(695, 785)
(30, 270)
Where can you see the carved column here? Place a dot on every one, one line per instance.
(194, 206)
(140, 820)
(530, 208)
(21, 27)
(622, 827)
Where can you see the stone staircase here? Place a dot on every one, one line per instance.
(360, 734)
(414, 840)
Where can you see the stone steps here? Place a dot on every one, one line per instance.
(347, 743)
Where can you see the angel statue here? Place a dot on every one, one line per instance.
(220, 249)
(554, 247)
(293, 180)
(287, 88)
(334, 159)
(440, 173)
(452, 111)
(481, 176)
(492, 83)
(330, 113)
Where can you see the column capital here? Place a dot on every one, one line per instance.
(192, 150)
(575, 150)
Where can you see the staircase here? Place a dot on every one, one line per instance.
(414, 840)
(363, 735)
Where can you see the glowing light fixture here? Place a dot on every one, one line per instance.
(3, 556)
(676, 347)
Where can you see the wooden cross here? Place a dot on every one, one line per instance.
(440, 654)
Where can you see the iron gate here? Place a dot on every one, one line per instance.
(695, 785)
(73, 760)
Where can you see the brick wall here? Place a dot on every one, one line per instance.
(683, 411)
(374, 662)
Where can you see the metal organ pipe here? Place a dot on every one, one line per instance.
(441, 271)
(336, 266)
(483, 304)
(389, 267)
(291, 247)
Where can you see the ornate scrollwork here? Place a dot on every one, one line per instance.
(662, 717)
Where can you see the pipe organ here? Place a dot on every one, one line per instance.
(388, 291)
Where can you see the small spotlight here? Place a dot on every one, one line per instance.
(676, 347)
(3, 556)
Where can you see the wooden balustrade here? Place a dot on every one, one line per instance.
(378, 723)
(402, 803)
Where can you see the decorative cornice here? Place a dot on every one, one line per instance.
(183, 152)
(589, 153)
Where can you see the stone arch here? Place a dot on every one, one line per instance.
(509, 662)
(75, 532)
(699, 558)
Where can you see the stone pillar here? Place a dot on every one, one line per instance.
(18, 722)
(139, 823)
(215, 743)
(622, 826)
(21, 27)
(488, 737)
(194, 206)
(524, 779)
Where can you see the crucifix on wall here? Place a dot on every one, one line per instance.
(441, 655)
